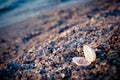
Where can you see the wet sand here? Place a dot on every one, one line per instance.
(42, 47)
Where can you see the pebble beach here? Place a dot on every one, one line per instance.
(42, 47)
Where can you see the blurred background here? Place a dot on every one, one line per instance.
(12, 11)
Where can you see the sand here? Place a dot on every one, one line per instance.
(42, 47)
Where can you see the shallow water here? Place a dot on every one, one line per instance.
(12, 11)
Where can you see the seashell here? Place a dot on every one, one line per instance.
(89, 53)
(90, 56)
(80, 61)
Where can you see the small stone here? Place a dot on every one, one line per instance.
(40, 53)
(54, 64)
(79, 50)
(2, 41)
(52, 43)
(62, 75)
(27, 38)
(36, 64)
(92, 20)
(38, 58)
(39, 65)
(26, 61)
(103, 63)
(46, 63)
(42, 71)
(100, 53)
(19, 57)
(82, 40)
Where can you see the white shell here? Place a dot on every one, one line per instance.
(89, 53)
(90, 56)
(80, 61)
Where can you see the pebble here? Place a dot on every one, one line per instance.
(79, 50)
(38, 58)
(95, 10)
(36, 64)
(42, 71)
(2, 41)
(54, 64)
(62, 75)
(12, 65)
(82, 40)
(27, 38)
(100, 53)
(52, 43)
(48, 50)
(112, 13)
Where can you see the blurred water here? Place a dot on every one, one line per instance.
(12, 11)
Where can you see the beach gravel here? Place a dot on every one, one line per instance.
(42, 48)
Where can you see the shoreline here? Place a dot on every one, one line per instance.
(38, 12)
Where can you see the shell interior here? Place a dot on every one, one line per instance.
(80, 61)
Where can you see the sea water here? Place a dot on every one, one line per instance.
(12, 11)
